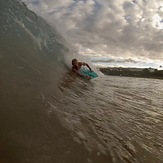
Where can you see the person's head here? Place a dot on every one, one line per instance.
(74, 62)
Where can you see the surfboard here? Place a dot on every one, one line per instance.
(89, 73)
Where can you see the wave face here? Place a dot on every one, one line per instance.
(49, 115)
(23, 34)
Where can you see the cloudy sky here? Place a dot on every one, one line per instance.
(111, 32)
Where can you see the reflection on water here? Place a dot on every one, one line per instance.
(108, 119)
(120, 117)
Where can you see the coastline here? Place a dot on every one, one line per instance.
(133, 72)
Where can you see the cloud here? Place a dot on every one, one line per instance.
(106, 60)
(121, 28)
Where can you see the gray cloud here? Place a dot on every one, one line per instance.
(121, 28)
(106, 60)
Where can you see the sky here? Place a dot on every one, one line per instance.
(127, 33)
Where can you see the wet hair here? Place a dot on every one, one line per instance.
(74, 60)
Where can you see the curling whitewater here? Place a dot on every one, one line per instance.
(48, 115)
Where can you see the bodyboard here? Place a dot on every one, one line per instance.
(89, 73)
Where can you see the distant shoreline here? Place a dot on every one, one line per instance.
(133, 72)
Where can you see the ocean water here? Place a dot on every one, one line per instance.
(48, 115)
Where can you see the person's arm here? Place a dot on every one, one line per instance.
(86, 64)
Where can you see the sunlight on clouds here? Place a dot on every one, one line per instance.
(120, 29)
(157, 21)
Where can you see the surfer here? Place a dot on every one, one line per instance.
(76, 66)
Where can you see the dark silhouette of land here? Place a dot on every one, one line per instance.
(133, 72)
